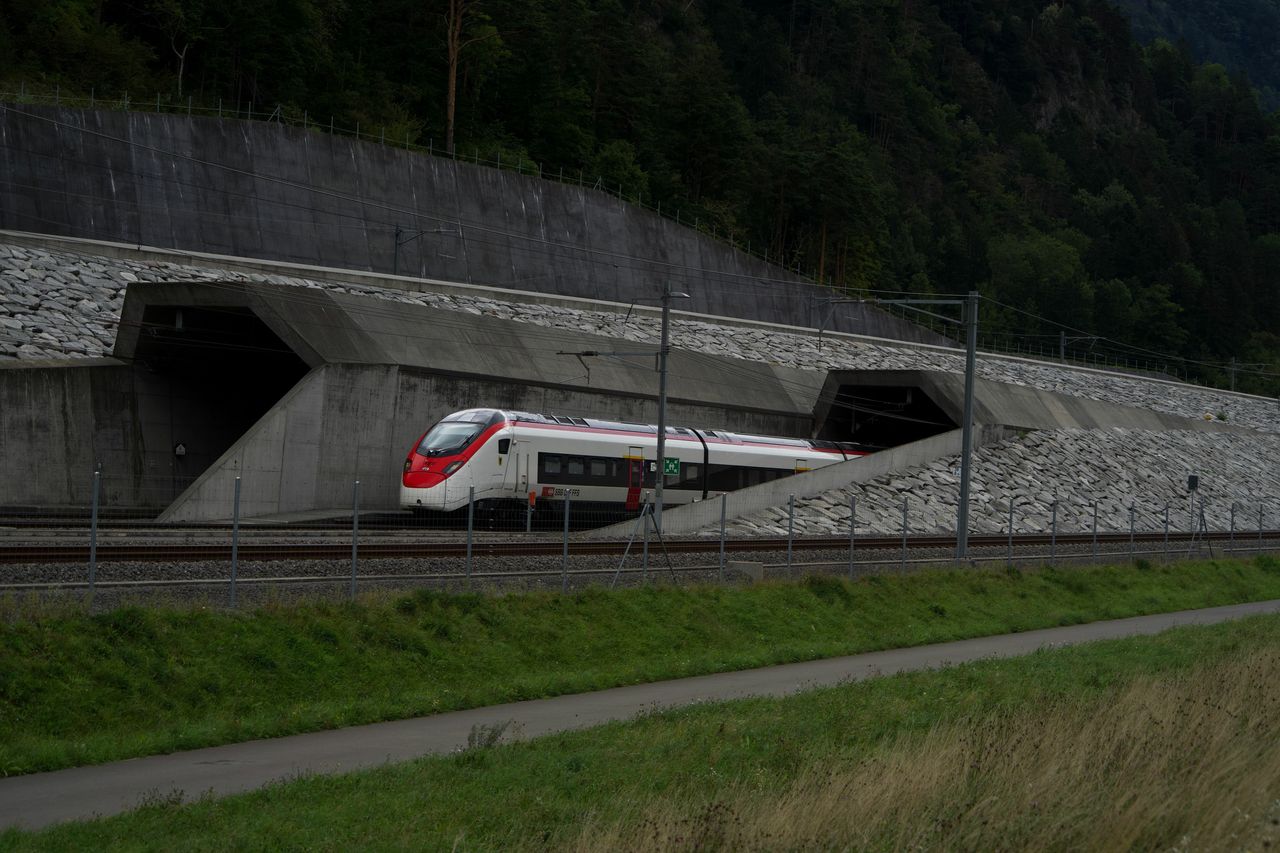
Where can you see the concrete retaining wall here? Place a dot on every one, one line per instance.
(60, 423)
(348, 422)
(263, 190)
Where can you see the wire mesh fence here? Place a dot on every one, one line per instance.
(105, 545)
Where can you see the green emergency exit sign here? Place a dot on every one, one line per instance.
(670, 467)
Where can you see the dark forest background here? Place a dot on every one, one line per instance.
(1033, 150)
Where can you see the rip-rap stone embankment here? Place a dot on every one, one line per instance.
(1114, 469)
(60, 305)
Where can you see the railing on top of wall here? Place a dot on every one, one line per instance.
(1009, 345)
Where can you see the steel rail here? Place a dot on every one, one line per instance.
(890, 557)
(170, 551)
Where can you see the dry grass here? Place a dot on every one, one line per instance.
(1185, 764)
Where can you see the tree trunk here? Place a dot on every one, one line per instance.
(453, 25)
(182, 62)
(822, 252)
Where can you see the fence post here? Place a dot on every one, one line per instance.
(564, 559)
(904, 533)
(93, 531)
(235, 539)
(646, 515)
(1053, 531)
(1009, 547)
(471, 522)
(355, 534)
(1094, 551)
(724, 499)
(1231, 541)
(791, 521)
(1133, 512)
(853, 530)
(1166, 531)
(1259, 527)
(528, 514)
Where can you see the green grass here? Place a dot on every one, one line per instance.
(542, 794)
(78, 689)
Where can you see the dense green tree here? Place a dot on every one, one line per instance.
(1030, 149)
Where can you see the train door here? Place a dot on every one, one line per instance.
(503, 474)
(635, 476)
(516, 464)
(802, 465)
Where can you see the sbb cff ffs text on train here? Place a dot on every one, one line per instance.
(506, 456)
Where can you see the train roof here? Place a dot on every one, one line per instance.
(495, 415)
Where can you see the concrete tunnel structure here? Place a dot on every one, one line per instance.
(300, 391)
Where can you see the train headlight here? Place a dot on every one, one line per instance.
(452, 466)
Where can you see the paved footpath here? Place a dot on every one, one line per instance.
(42, 799)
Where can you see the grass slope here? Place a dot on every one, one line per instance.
(1089, 725)
(80, 689)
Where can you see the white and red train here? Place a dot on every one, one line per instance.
(516, 456)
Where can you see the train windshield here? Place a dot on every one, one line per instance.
(449, 437)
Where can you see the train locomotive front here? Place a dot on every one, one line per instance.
(459, 454)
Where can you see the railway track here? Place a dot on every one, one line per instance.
(371, 548)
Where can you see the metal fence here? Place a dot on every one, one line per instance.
(103, 547)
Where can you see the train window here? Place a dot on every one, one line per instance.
(504, 445)
(575, 467)
(690, 476)
(550, 463)
(599, 467)
(448, 437)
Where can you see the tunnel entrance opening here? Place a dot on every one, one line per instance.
(203, 376)
(880, 416)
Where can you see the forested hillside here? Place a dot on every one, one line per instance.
(1242, 35)
(1029, 148)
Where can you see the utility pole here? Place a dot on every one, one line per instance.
(665, 348)
(970, 369)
